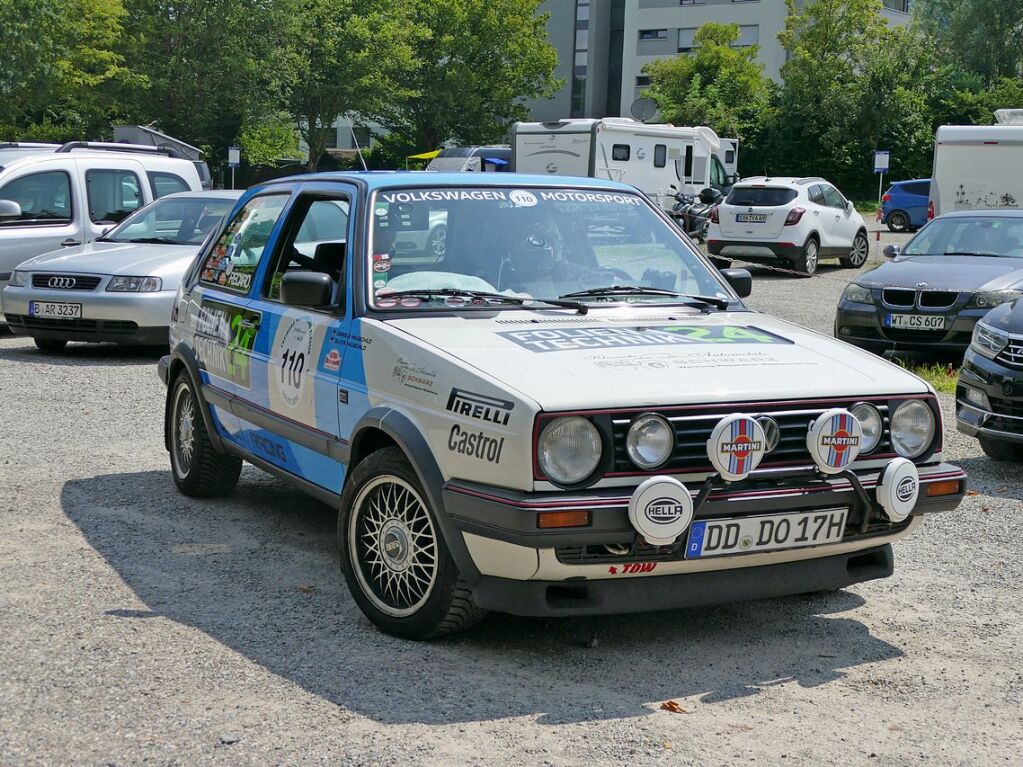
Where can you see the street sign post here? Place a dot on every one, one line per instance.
(882, 159)
(234, 159)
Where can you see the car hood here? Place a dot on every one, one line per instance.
(958, 273)
(1007, 317)
(638, 357)
(127, 258)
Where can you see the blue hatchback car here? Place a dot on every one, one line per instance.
(904, 205)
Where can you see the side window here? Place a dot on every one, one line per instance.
(236, 255)
(833, 198)
(919, 187)
(660, 155)
(717, 172)
(315, 239)
(620, 152)
(166, 183)
(112, 195)
(816, 195)
(45, 198)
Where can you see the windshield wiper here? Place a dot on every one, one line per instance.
(636, 290)
(151, 241)
(483, 294)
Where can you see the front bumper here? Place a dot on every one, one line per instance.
(1002, 416)
(127, 318)
(862, 325)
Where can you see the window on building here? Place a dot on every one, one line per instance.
(582, 46)
(691, 2)
(653, 34)
(749, 34)
(686, 39)
(620, 152)
(643, 81)
(660, 155)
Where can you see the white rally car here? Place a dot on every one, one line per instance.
(566, 410)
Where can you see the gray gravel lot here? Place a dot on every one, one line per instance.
(141, 627)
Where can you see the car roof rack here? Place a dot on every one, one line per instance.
(24, 144)
(111, 146)
(808, 179)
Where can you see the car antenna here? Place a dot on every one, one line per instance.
(355, 140)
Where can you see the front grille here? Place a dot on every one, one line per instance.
(1006, 406)
(920, 336)
(937, 299)
(896, 297)
(1010, 425)
(65, 281)
(26, 323)
(693, 430)
(1012, 355)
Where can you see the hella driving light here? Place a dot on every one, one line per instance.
(569, 449)
(912, 428)
(988, 341)
(18, 279)
(857, 294)
(987, 299)
(650, 441)
(871, 423)
(134, 284)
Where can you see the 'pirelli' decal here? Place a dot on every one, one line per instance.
(569, 339)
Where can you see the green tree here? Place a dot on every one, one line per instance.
(718, 85)
(480, 59)
(984, 37)
(267, 138)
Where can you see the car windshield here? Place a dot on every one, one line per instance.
(760, 195)
(969, 236)
(540, 243)
(173, 220)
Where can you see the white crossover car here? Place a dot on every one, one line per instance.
(797, 220)
(565, 411)
(121, 287)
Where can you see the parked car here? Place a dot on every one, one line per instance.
(989, 394)
(53, 198)
(120, 287)
(904, 205)
(796, 220)
(569, 411)
(929, 296)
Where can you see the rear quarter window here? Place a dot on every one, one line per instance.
(762, 196)
(918, 187)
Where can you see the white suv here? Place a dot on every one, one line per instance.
(799, 220)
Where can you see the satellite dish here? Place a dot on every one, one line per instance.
(643, 108)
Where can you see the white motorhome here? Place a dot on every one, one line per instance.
(653, 158)
(977, 166)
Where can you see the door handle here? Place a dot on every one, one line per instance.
(69, 243)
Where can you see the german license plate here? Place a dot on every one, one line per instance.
(745, 535)
(55, 310)
(916, 321)
(750, 218)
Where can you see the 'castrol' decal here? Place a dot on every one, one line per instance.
(834, 440)
(736, 446)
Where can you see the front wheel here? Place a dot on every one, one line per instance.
(198, 469)
(858, 255)
(807, 261)
(1001, 450)
(393, 555)
(50, 344)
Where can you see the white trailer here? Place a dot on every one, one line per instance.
(978, 166)
(653, 158)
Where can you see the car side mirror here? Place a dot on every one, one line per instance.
(9, 210)
(848, 206)
(891, 251)
(731, 179)
(302, 288)
(740, 280)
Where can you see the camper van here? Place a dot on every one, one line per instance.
(657, 159)
(977, 166)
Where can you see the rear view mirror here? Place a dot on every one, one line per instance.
(891, 251)
(9, 210)
(301, 288)
(740, 280)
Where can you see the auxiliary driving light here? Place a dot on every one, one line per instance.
(834, 440)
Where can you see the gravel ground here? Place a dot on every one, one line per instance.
(141, 627)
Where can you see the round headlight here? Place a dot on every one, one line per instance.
(912, 428)
(650, 441)
(871, 423)
(569, 449)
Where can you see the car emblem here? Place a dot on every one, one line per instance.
(749, 210)
(61, 282)
(921, 284)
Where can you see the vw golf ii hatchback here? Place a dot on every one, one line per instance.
(534, 395)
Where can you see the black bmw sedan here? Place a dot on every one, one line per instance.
(989, 394)
(929, 296)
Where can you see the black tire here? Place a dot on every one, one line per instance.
(860, 251)
(1001, 450)
(444, 605)
(807, 261)
(50, 344)
(898, 221)
(198, 469)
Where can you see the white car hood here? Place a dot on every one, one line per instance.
(635, 357)
(127, 258)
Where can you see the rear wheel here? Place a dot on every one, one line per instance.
(393, 555)
(1001, 450)
(807, 261)
(898, 221)
(198, 469)
(50, 344)
(858, 255)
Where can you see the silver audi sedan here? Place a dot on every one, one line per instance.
(121, 287)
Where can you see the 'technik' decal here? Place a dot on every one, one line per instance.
(569, 339)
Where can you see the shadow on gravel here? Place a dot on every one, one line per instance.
(82, 355)
(257, 573)
(1003, 479)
